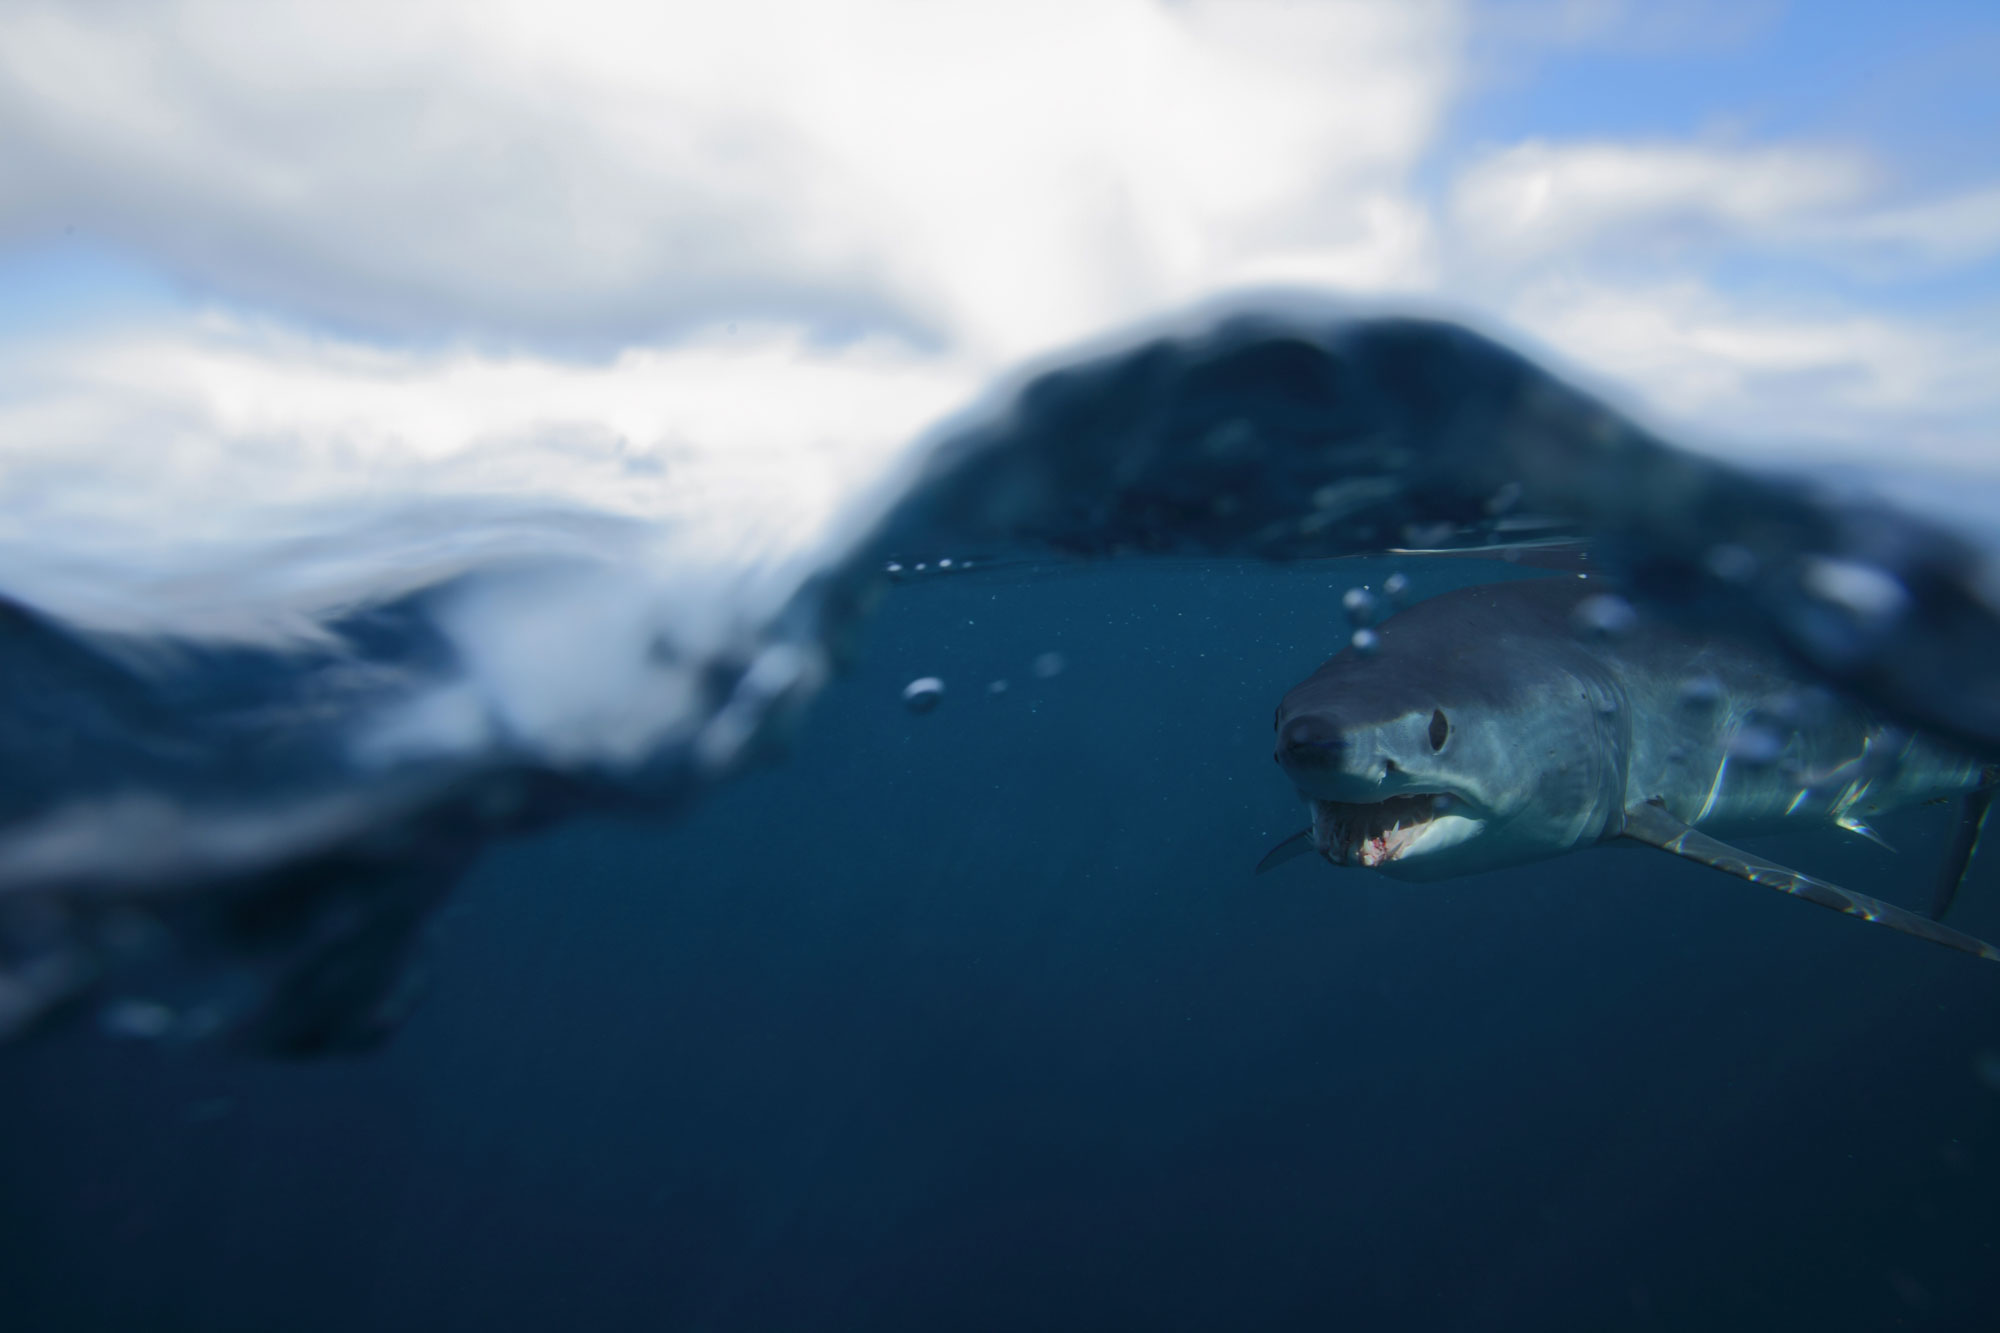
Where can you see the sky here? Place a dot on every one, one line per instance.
(720, 262)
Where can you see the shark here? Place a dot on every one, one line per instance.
(1507, 723)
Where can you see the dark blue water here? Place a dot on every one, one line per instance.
(978, 1020)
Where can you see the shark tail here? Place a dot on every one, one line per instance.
(1652, 825)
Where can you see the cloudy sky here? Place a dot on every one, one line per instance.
(259, 256)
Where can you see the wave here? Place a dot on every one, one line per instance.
(253, 827)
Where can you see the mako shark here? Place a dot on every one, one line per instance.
(1500, 724)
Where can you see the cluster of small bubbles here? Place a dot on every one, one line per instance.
(1731, 563)
(897, 569)
(1396, 587)
(996, 687)
(1703, 691)
(923, 694)
(1756, 744)
(1365, 642)
(1359, 604)
(1049, 665)
(1603, 616)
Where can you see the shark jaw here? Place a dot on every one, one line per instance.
(1396, 828)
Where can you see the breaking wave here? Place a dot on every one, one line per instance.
(253, 828)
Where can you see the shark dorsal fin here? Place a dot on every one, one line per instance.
(1290, 849)
(1653, 826)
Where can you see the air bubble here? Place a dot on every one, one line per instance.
(923, 694)
(1604, 616)
(996, 687)
(945, 563)
(136, 1020)
(1049, 665)
(1504, 498)
(1396, 588)
(1731, 563)
(1366, 642)
(1428, 536)
(1359, 604)
(1873, 596)
(1756, 745)
(1703, 691)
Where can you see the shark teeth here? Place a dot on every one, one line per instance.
(1376, 832)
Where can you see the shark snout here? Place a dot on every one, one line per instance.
(1309, 740)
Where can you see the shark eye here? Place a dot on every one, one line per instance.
(1440, 729)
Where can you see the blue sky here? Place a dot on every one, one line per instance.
(1913, 81)
(1911, 84)
(264, 255)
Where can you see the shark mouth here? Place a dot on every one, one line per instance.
(1377, 832)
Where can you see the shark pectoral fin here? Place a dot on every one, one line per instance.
(1653, 826)
(1299, 844)
(1972, 812)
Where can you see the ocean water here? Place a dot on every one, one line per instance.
(556, 933)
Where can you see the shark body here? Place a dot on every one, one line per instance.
(1491, 726)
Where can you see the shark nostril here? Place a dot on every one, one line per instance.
(1309, 738)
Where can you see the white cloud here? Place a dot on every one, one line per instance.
(1001, 175)
(1610, 252)
(1538, 198)
(1778, 382)
(1957, 229)
(1538, 201)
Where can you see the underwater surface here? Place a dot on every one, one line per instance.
(555, 931)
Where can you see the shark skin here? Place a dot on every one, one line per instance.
(1500, 724)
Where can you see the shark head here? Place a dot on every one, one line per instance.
(1471, 737)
